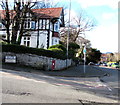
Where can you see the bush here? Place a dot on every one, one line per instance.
(71, 53)
(38, 51)
(59, 46)
(59, 51)
(55, 49)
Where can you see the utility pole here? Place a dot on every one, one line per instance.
(84, 52)
(68, 33)
(38, 34)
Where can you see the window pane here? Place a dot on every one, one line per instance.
(0, 25)
(56, 40)
(25, 24)
(24, 38)
(28, 38)
(28, 43)
(25, 43)
(28, 23)
(56, 26)
(33, 25)
(43, 24)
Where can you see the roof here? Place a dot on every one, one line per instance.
(41, 13)
(3, 13)
(48, 12)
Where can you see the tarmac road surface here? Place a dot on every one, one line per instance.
(24, 87)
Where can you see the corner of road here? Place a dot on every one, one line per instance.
(75, 71)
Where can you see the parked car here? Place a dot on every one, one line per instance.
(91, 63)
(115, 65)
(97, 64)
(104, 64)
(110, 63)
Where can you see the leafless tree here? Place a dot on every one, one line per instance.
(5, 18)
(79, 25)
(15, 18)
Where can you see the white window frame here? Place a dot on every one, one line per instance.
(26, 41)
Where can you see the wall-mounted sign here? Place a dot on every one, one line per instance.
(10, 59)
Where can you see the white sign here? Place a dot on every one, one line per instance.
(10, 59)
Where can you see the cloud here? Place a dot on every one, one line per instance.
(107, 16)
(104, 38)
(89, 3)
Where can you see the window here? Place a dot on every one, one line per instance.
(27, 24)
(40, 24)
(56, 40)
(44, 24)
(47, 24)
(33, 25)
(27, 41)
(56, 26)
(0, 25)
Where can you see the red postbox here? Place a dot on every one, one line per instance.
(53, 64)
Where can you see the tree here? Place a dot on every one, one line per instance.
(93, 55)
(79, 25)
(15, 17)
(73, 49)
(6, 18)
(45, 4)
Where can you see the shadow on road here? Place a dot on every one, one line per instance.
(73, 77)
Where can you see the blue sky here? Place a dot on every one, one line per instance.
(104, 36)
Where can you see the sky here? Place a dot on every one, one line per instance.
(104, 36)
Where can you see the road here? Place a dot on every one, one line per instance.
(24, 87)
(112, 80)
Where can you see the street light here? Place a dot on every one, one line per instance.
(84, 52)
(68, 32)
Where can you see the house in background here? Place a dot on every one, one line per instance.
(42, 31)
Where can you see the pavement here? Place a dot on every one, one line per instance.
(75, 71)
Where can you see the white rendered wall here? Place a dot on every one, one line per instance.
(55, 40)
(33, 39)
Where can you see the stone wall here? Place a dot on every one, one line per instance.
(40, 62)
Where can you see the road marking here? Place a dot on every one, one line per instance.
(109, 89)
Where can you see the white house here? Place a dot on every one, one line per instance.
(43, 30)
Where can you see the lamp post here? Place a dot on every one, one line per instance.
(84, 52)
(68, 32)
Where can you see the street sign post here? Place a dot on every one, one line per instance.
(84, 52)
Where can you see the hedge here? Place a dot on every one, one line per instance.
(38, 51)
(59, 46)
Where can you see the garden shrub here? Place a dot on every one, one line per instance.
(54, 53)
(59, 46)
